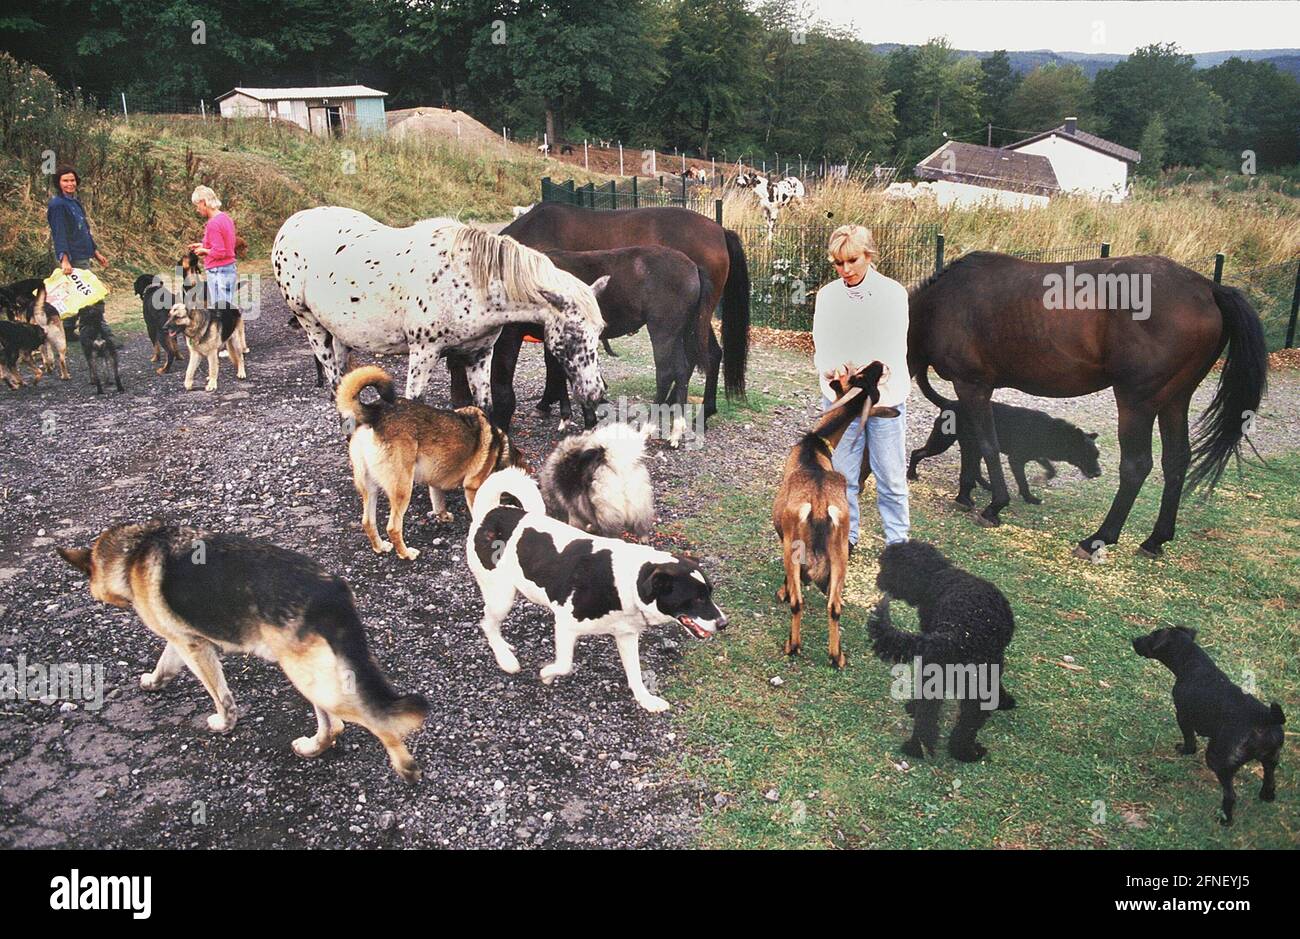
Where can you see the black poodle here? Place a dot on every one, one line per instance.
(965, 621)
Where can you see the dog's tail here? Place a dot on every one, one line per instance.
(890, 643)
(1275, 714)
(348, 398)
(510, 486)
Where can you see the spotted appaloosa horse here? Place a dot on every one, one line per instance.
(433, 288)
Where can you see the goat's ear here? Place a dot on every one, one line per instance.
(77, 557)
(881, 411)
(599, 284)
(1091, 436)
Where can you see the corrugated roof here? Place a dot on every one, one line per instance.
(1082, 137)
(990, 167)
(327, 91)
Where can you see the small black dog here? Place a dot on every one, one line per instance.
(965, 622)
(18, 341)
(97, 343)
(1024, 435)
(157, 302)
(1206, 702)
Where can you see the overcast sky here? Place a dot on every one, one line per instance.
(1072, 25)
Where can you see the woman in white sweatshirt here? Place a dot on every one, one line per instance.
(859, 319)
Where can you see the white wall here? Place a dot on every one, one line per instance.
(241, 105)
(1082, 169)
(964, 195)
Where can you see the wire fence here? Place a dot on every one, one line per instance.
(786, 270)
(785, 273)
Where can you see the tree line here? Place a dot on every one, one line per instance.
(712, 77)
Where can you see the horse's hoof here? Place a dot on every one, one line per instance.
(791, 648)
(964, 504)
(839, 661)
(1145, 552)
(1082, 553)
(984, 521)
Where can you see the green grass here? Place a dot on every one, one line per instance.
(1087, 760)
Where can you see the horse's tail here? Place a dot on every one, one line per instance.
(923, 382)
(348, 397)
(735, 318)
(1222, 427)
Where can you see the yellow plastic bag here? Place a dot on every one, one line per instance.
(69, 293)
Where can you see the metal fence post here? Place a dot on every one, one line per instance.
(613, 195)
(546, 188)
(1218, 267)
(938, 252)
(1105, 249)
(635, 200)
(717, 216)
(1295, 308)
(683, 180)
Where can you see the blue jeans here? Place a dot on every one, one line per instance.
(888, 448)
(221, 285)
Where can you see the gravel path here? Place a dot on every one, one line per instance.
(506, 760)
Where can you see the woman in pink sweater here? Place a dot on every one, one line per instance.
(217, 248)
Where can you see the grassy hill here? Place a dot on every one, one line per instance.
(137, 178)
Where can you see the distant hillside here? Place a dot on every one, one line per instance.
(1287, 60)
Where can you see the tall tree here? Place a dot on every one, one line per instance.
(1262, 106)
(1159, 79)
(711, 66)
(1048, 95)
(998, 82)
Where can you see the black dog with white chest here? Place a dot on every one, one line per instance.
(98, 344)
(1208, 704)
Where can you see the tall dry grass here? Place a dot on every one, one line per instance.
(1254, 227)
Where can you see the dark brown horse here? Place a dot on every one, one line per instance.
(649, 286)
(551, 226)
(1147, 327)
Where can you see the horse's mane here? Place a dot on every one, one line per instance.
(524, 273)
(965, 258)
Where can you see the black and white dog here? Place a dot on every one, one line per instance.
(592, 585)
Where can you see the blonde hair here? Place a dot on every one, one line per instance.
(205, 194)
(850, 239)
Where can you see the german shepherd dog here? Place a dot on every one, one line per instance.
(205, 594)
(98, 342)
(1207, 703)
(206, 329)
(17, 342)
(18, 301)
(157, 302)
(196, 290)
(592, 586)
(811, 511)
(397, 443)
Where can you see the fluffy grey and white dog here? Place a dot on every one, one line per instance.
(598, 481)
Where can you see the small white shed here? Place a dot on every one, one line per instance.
(325, 111)
(1083, 162)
